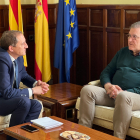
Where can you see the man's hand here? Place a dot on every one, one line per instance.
(38, 90)
(39, 83)
(40, 87)
(112, 90)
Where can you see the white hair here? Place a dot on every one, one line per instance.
(135, 25)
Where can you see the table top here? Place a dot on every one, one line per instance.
(62, 92)
(54, 134)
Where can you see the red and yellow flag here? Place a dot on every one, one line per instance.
(42, 47)
(15, 19)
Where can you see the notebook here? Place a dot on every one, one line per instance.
(46, 123)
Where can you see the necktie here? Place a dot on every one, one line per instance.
(16, 72)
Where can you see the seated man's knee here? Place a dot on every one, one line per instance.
(36, 104)
(123, 97)
(87, 90)
(24, 102)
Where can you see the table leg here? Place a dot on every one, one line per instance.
(63, 106)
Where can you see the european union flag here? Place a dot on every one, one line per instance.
(67, 38)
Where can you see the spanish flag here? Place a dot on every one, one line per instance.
(42, 47)
(15, 19)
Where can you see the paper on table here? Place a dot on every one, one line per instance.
(46, 123)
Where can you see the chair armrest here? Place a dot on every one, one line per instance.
(77, 103)
(95, 83)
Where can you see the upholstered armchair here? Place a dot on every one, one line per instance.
(104, 116)
(4, 120)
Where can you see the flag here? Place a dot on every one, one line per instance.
(15, 19)
(42, 48)
(67, 38)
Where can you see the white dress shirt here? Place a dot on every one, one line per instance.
(29, 89)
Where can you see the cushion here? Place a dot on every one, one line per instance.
(4, 121)
(106, 114)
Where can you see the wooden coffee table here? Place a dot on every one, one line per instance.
(60, 97)
(54, 134)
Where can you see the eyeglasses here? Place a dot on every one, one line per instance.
(134, 37)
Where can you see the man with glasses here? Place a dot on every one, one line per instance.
(121, 82)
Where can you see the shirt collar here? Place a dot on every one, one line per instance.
(12, 59)
(133, 54)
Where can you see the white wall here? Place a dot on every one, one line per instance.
(6, 2)
(108, 2)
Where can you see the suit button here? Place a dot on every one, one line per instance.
(25, 95)
(21, 95)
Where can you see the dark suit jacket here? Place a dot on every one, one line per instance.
(7, 77)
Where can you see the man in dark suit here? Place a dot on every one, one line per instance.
(13, 100)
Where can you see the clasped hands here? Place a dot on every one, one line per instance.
(40, 87)
(112, 90)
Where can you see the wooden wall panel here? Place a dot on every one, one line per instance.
(131, 16)
(113, 45)
(52, 15)
(96, 17)
(82, 16)
(30, 14)
(52, 44)
(114, 18)
(96, 54)
(125, 40)
(82, 57)
(30, 53)
(1, 18)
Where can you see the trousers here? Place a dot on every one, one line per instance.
(22, 109)
(124, 104)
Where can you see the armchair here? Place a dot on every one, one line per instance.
(4, 120)
(104, 116)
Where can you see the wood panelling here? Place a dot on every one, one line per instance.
(30, 52)
(96, 17)
(114, 18)
(1, 18)
(52, 15)
(52, 43)
(30, 14)
(96, 60)
(131, 16)
(82, 59)
(82, 16)
(125, 40)
(113, 45)
(102, 31)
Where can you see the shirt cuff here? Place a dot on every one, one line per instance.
(34, 83)
(30, 92)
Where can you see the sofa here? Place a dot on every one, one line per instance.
(104, 116)
(4, 120)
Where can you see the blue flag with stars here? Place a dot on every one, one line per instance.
(67, 38)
